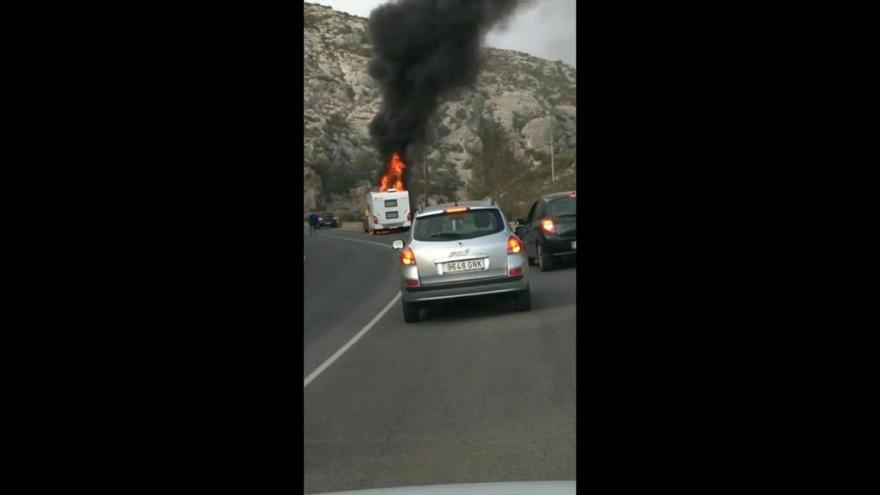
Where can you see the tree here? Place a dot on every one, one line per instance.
(335, 176)
(515, 183)
(366, 167)
(566, 172)
(443, 180)
(496, 172)
(491, 168)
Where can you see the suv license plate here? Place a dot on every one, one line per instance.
(463, 266)
(574, 244)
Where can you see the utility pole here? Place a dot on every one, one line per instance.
(425, 172)
(552, 163)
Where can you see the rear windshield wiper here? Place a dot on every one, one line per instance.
(446, 235)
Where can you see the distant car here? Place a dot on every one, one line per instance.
(328, 219)
(550, 232)
(465, 249)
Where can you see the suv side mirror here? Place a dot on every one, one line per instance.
(521, 231)
(397, 245)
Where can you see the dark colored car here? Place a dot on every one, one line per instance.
(550, 231)
(327, 219)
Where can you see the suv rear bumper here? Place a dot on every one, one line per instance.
(463, 289)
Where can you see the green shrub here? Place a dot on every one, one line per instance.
(337, 120)
(310, 20)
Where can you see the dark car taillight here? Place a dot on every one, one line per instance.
(548, 226)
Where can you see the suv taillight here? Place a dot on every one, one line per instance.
(407, 257)
(548, 226)
(514, 245)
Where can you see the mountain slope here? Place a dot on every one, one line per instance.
(524, 93)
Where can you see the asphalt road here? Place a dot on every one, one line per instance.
(475, 393)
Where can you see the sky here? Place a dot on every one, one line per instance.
(545, 28)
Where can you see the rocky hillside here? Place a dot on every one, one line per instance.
(524, 93)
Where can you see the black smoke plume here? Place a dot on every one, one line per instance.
(421, 50)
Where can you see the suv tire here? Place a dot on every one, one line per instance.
(410, 312)
(522, 300)
(545, 261)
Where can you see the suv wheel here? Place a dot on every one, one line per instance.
(410, 313)
(545, 261)
(522, 300)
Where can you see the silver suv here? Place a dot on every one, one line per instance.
(461, 250)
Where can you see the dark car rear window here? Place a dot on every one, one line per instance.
(562, 206)
(448, 227)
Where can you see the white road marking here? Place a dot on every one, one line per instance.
(335, 356)
(358, 240)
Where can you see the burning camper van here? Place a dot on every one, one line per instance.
(388, 208)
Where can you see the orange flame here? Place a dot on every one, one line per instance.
(393, 178)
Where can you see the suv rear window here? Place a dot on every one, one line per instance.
(443, 227)
(562, 206)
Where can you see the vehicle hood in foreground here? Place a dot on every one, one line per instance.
(506, 488)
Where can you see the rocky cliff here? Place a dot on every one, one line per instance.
(525, 94)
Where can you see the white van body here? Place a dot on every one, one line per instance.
(388, 210)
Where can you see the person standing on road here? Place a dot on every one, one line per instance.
(366, 219)
(313, 222)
